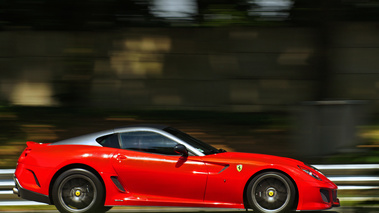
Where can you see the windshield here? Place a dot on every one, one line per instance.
(202, 147)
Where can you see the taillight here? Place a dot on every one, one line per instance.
(29, 146)
(24, 154)
(27, 151)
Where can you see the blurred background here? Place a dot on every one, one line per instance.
(295, 78)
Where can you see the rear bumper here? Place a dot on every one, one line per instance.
(29, 195)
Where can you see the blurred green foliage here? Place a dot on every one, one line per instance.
(114, 14)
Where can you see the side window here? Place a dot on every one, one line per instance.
(147, 142)
(109, 141)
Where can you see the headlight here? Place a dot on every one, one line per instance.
(309, 172)
(314, 168)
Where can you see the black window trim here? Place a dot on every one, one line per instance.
(190, 152)
(190, 149)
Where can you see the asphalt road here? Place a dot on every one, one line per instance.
(198, 210)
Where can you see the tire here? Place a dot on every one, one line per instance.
(78, 191)
(271, 192)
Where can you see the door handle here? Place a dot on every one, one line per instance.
(121, 157)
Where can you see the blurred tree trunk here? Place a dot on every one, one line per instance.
(319, 14)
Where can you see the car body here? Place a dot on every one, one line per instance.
(154, 165)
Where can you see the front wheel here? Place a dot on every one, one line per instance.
(78, 191)
(271, 192)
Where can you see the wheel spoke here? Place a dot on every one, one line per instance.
(82, 183)
(82, 204)
(81, 201)
(282, 199)
(86, 201)
(77, 182)
(71, 203)
(271, 206)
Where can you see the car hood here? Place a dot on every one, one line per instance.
(240, 157)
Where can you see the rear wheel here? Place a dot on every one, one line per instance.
(271, 192)
(78, 191)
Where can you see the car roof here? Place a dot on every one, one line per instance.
(90, 139)
(142, 126)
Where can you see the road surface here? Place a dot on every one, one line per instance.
(205, 210)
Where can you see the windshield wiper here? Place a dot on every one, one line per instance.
(221, 150)
(216, 151)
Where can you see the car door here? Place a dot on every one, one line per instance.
(149, 169)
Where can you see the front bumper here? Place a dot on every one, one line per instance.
(29, 195)
(330, 196)
(317, 196)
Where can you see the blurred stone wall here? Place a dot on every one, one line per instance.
(232, 69)
(355, 57)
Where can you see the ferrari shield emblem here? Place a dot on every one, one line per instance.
(239, 167)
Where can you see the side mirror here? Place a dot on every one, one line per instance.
(181, 149)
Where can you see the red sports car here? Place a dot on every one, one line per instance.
(153, 165)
